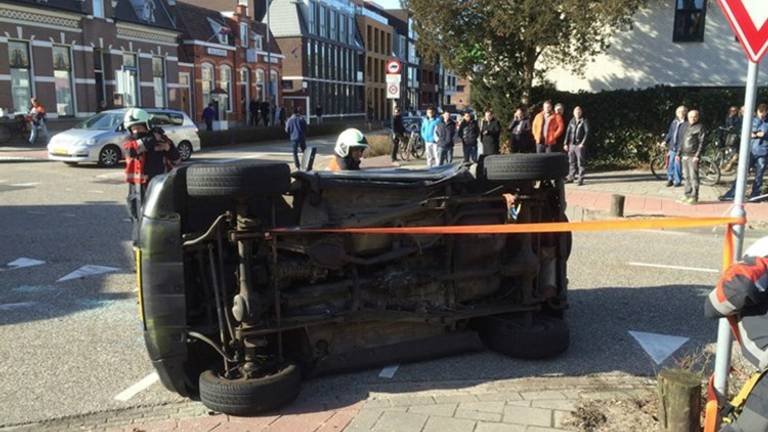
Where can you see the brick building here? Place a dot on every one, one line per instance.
(79, 57)
(377, 38)
(226, 53)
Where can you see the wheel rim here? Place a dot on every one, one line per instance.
(109, 157)
(185, 150)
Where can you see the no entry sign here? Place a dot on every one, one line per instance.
(749, 20)
(393, 67)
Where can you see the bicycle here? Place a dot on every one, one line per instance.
(414, 148)
(709, 170)
(725, 156)
(18, 128)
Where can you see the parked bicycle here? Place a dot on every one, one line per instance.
(414, 148)
(725, 155)
(709, 170)
(18, 128)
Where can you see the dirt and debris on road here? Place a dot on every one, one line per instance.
(616, 415)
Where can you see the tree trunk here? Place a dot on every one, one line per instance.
(679, 400)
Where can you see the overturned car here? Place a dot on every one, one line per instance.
(237, 309)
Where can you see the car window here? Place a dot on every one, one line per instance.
(176, 119)
(102, 121)
(159, 119)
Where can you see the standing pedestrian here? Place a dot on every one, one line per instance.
(673, 139)
(490, 130)
(281, 117)
(428, 135)
(265, 113)
(690, 152)
(560, 112)
(469, 133)
(575, 139)
(37, 118)
(148, 153)
(547, 128)
(253, 109)
(296, 127)
(758, 150)
(445, 133)
(319, 113)
(520, 132)
(209, 113)
(398, 134)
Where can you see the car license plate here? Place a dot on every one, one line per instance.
(60, 151)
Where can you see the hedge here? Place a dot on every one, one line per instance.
(261, 134)
(624, 123)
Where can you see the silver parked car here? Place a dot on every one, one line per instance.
(100, 138)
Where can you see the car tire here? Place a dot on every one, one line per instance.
(110, 156)
(525, 166)
(70, 164)
(238, 179)
(248, 397)
(515, 335)
(185, 150)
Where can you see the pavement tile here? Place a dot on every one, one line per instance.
(539, 395)
(299, 422)
(393, 421)
(477, 415)
(520, 403)
(338, 422)
(201, 424)
(412, 400)
(499, 427)
(238, 427)
(455, 398)
(160, 426)
(364, 420)
(528, 416)
(564, 405)
(503, 396)
(444, 410)
(492, 407)
(447, 424)
(545, 429)
(376, 403)
(260, 421)
(559, 418)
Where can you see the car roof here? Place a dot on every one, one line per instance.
(122, 110)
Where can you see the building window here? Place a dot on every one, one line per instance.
(244, 35)
(274, 81)
(98, 8)
(258, 42)
(158, 80)
(128, 81)
(322, 22)
(62, 66)
(206, 79)
(351, 28)
(689, 20)
(343, 29)
(311, 18)
(21, 86)
(245, 97)
(226, 85)
(259, 84)
(98, 72)
(332, 25)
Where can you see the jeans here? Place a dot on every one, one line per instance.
(759, 164)
(576, 161)
(543, 148)
(470, 153)
(444, 155)
(674, 169)
(430, 149)
(691, 176)
(296, 145)
(208, 125)
(36, 131)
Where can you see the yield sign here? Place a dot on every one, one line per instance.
(749, 20)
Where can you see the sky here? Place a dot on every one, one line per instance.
(389, 4)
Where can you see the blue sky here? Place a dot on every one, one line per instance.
(389, 4)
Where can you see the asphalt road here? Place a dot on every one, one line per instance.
(69, 348)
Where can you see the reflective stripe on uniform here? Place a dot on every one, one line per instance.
(724, 307)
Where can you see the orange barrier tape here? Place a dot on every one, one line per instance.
(547, 227)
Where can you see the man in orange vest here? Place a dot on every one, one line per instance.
(348, 151)
(547, 128)
(148, 153)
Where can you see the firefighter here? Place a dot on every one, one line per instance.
(742, 292)
(348, 151)
(148, 153)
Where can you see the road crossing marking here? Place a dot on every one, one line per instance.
(673, 267)
(137, 388)
(9, 306)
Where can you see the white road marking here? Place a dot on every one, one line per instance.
(96, 191)
(24, 262)
(658, 346)
(673, 267)
(388, 372)
(137, 388)
(25, 184)
(88, 270)
(9, 306)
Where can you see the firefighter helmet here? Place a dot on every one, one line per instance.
(135, 116)
(348, 139)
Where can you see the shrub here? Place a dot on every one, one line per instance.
(255, 135)
(378, 144)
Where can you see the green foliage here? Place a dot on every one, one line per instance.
(624, 123)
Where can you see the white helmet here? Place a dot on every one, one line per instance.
(135, 116)
(348, 139)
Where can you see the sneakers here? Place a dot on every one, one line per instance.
(581, 182)
(569, 179)
(669, 183)
(688, 200)
(725, 198)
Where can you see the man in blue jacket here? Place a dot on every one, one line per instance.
(445, 134)
(296, 127)
(758, 153)
(673, 139)
(428, 126)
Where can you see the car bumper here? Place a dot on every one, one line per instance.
(70, 158)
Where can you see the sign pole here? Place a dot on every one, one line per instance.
(724, 337)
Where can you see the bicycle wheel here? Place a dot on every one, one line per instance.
(418, 149)
(405, 150)
(659, 166)
(5, 134)
(709, 172)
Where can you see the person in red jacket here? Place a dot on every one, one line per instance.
(547, 129)
(148, 153)
(742, 293)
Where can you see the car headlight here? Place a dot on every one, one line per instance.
(89, 142)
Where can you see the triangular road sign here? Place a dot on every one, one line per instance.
(658, 346)
(749, 20)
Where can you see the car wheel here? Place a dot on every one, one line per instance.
(535, 336)
(524, 166)
(239, 179)
(70, 163)
(185, 150)
(250, 396)
(110, 156)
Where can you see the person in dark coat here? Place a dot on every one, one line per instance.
(296, 128)
(469, 133)
(758, 150)
(576, 136)
(398, 133)
(490, 130)
(445, 131)
(253, 109)
(209, 114)
(265, 113)
(520, 133)
(690, 153)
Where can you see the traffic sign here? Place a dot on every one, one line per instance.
(749, 20)
(393, 67)
(393, 91)
(394, 79)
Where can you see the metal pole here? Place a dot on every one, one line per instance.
(724, 337)
(269, 61)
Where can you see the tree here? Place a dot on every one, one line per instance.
(504, 45)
